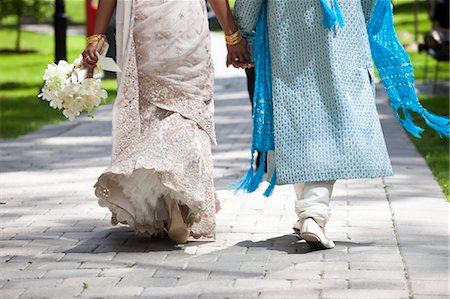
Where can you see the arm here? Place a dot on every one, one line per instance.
(239, 51)
(104, 13)
(246, 14)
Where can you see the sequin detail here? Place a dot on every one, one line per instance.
(163, 122)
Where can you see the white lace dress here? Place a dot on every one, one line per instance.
(162, 118)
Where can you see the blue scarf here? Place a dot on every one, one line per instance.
(390, 58)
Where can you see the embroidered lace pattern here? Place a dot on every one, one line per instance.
(162, 130)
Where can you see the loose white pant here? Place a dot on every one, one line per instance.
(313, 200)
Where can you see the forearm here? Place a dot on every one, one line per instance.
(104, 13)
(224, 16)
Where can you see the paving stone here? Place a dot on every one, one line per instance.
(104, 265)
(320, 284)
(84, 257)
(431, 287)
(72, 273)
(214, 275)
(32, 283)
(62, 239)
(11, 294)
(21, 274)
(111, 291)
(369, 265)
(146, 281)
(419, 296)
(90, 281)
(171, 292)
(52, 292)
(364, 274)
(291, 293)
(269, 283)
(241, 293)
(365, 294)
(294, 274)
(53, 265)
(378, 284)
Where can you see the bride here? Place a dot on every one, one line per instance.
(160, 180)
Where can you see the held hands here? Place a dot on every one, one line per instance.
(238, 51)
(90, 58)
(239, 55)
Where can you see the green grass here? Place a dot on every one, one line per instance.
(75, 10)
(434, 149)
(404, 23)
(21, 111)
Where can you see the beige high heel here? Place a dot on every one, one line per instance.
(177, 228)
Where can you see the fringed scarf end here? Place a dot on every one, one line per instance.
(438, 123)
(258, 177)
(243, 183)
(273, 182)
(331, 16)
(408, 123)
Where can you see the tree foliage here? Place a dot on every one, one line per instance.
(39, 10)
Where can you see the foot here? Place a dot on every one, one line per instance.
(177, 228)
(314, 235)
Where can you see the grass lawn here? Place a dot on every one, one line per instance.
(404, 25)
(21, 111)
(434, 149)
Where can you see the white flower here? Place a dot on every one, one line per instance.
(63, 90)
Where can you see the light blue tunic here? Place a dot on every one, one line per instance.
(326, 124)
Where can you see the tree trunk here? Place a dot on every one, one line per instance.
(19, 13)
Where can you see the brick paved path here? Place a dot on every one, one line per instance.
(391, 234)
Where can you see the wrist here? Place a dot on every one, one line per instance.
(95, 38)
(231, 30)
(233, 39)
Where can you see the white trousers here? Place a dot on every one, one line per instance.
(313, 200)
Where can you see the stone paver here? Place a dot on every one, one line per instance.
(55, 241)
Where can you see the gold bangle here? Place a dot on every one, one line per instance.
(234, 38)
(234, 35)
(95, 38)
(234, 42)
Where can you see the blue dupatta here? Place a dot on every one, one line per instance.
(390, 58)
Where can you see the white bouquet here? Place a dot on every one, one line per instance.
(67, 88)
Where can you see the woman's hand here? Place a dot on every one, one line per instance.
(90, 59)
(239, 55)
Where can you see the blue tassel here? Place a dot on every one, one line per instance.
(329, 18)
(339, 16)
(243, 183)
(438, 123)
(408, 124)
(258, 177)
(273, 182)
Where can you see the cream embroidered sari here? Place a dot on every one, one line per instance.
(162, 118)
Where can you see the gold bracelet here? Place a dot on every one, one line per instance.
(95, 38)
(234, 38)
